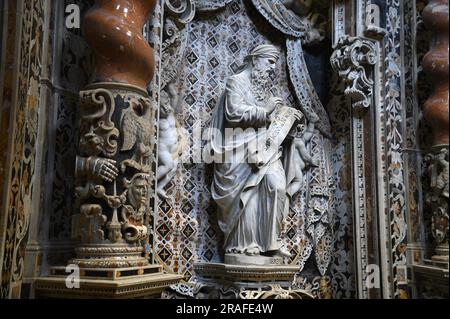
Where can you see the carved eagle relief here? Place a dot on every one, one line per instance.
(137, 132)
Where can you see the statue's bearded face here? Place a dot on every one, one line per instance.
(262, 68)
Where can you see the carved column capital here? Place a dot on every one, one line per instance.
(354, 58)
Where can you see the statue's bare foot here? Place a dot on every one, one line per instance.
(283, 252)
(252, 251)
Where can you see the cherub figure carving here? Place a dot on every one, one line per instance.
(171, 140)
(301, 156)
(304, 9)
(442, 178)
(300, 7)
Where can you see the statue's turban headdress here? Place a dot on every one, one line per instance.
(261, 51)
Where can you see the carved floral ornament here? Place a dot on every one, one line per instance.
(353, 59)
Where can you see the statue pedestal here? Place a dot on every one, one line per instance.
(109, 283)
(237, 259)
(232, 281)
(441, 254)
(432, 279)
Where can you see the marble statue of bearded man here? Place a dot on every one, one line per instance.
(250, 194)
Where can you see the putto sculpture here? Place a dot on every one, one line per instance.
(171, 141)
(300, 155)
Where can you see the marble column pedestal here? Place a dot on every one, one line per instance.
(145, 282)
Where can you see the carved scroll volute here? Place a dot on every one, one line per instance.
(99, 136)
(354, 59)
(113, 28)
(182, 11)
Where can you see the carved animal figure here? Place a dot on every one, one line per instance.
(137, 131)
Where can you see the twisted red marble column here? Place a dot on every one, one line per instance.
(435, 64)
(436, 113)
(112, 222)
(113, 28)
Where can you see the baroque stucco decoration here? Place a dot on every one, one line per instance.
(437, 199)
(354, 59)
(52, 65)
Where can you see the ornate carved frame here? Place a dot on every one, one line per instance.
(367, 46)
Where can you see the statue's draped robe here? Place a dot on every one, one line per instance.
(252, 202)
(318, 215)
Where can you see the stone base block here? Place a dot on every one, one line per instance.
(125, 283)
(109, 273)
(247, 273)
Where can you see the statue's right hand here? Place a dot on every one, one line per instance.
(277, 101)
(298, 115)
(274, 102)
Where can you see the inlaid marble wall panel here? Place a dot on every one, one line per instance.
(395, 138)
(20, 170)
